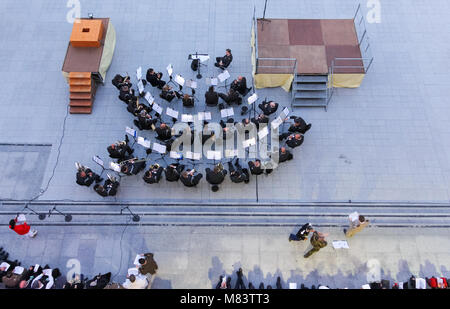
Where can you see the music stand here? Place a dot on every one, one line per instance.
(100, 162)
(191, 57)
(136, 218)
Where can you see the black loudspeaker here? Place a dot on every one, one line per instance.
(194, 65)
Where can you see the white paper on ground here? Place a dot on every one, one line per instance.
(180, 80)
(340, 244)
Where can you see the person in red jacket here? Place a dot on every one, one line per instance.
(22, 228)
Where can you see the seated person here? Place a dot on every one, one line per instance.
(133, 166)
(232, 97)
(153, 175)
(126, 94)
(299, 125)
(133, 107)
(109, 188)
(120, 149)
(120, 81)
(173, 172)
(224, 62)
(217, 175)
(99, 282)
(155, 78)
(240, 85)
(268, 108)
(188, 100)
(255, 167)
(260, 119)
(295, 140)
(168, 94)
(85, 176)
(237, 173)
(284, 155)
(145, 121)
(190, 178)
(164, 132)
(211, 97)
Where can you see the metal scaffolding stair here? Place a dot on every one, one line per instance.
(310, 91)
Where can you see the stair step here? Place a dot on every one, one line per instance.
(81, 103)
(311, 78)
(309, 102)
(310, 86)
(80, 82)
(80, 96)
(80, 75)
(86, 89)
(80, 110)
(310, 95)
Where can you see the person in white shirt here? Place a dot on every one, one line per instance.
(357, 223)
(37, 283)
(135, 282)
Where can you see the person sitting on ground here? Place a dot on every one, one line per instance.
(299, 125)
(155, 78)
(168, 94)
(237, 173)
(135, 282)
(127, 94)
(109, 188)
(215, 176)
(255, 167)
(147, 264)
(260, 119)
(284, 155)
(302, 233)
(225, 61)
(232, 97)
(268, 108)
(240, 85)
(164, 132)
(133, 166)
(188, 100)
(119, 150)
(145, 121)
(86, 177)
(99, 282)
(191, 178)
(211, 97)
(173, 172)
(153, 175)
(120, 81)
(295, 140)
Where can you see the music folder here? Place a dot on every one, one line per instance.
(149, 98)
(131, 132)
(227, 112)
(172, 113)
(143, 142)
(159, 148)
(179, 80)
(223, 76)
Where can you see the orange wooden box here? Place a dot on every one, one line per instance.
(86, 33)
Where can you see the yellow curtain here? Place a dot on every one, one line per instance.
(347, 80)
(274, 80)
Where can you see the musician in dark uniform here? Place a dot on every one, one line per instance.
(86, 177)
(216, 176)
(153, 175)
(155, 78)
(119, 150)
(299, 125)
(188, 100)
(173, 172)
(145, 121)
(255, 167)
(164, 132)
(284, 155)
(237, 173)
(168, 94)
(127, 94)
(295, 140)
(260, 119)
(240, 85)
(225, 61)
(109, 188)
(120, 81)
(190, 178)
(268, 108)
(211, 97)
(232, 97)
(133, 166)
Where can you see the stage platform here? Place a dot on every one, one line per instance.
(313, 42)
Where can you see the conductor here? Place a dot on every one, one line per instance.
(224, 62)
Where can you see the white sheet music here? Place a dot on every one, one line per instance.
(340, 244)
(114, 166)
(157, 108)
(204, 116)
(98, 161)
(172, 113)
(140, 86)
(159, 148)
(170, 69)
(131, 132)
(143, 142)
(227, 112)
(223, 76)
(249, 142)
(252, 99)
(231, 153)
(149, 98)
(213, 81)
(133, 271)
(193, 155)
(214, 155)
(175, 155)
(191, 84)
(187, 118)
(202, 58)
(263, 133)
(18, 270)
(284, 113)
(292, 285)
(139, 73)
(6, 265)
(179, 80)
(277, 122)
